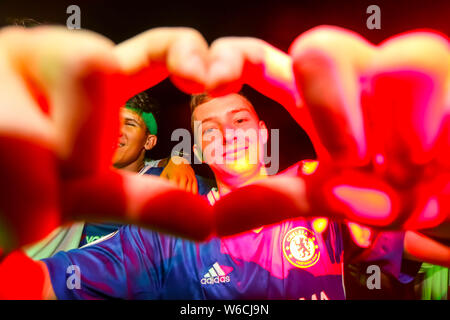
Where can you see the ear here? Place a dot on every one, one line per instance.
(197, 152)
(150, 142)
(264, 134)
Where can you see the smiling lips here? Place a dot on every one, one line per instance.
(232, 153)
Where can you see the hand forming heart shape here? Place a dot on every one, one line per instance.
(60, 95)
(379, 119)
(61, 92)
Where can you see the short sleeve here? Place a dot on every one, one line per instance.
(123, 265)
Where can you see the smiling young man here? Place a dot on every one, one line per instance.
(230, 140)
(137, 134)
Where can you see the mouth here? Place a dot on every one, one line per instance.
(235, 153)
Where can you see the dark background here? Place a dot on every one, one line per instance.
(276, 22)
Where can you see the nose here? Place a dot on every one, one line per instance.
(229, 135)
(121, 130)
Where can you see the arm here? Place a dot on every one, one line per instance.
(421, 248)
(129, 264)
(22, 278)
(118, 266)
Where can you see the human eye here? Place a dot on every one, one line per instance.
(209, 130)
(130, 123)
(241, 120)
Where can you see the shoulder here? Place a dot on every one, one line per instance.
(155, 171)
(205, 186)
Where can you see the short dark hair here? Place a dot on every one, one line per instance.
(24, 22)
(143, 103)
(198, 99)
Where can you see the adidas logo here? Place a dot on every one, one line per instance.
(217, 274)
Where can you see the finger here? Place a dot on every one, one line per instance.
(443, 142)
(23, 112)
(227, 61)
(165, 174)
(361, 235)
(76, 73)
(267, 202)
(234, 61)
(191, 182)
(29, 196)
(346, 195)
(357, 196)
(144, 200)
(327, 63)
(25, 133)
(325, 194)
(432, 206)
(194, 186)
(151, 56)
(36, 281)
(190, 185)
(183, 183)
(408, 90)
(369, 200)
(320, 224)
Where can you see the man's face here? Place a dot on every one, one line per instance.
(132, 139)
(231, 135)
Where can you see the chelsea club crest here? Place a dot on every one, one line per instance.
(300, 247)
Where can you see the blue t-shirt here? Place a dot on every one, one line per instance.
(288, 260)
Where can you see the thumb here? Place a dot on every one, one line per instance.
(143, 200)
(264, 203)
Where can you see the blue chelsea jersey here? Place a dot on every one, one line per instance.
(288, 260)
